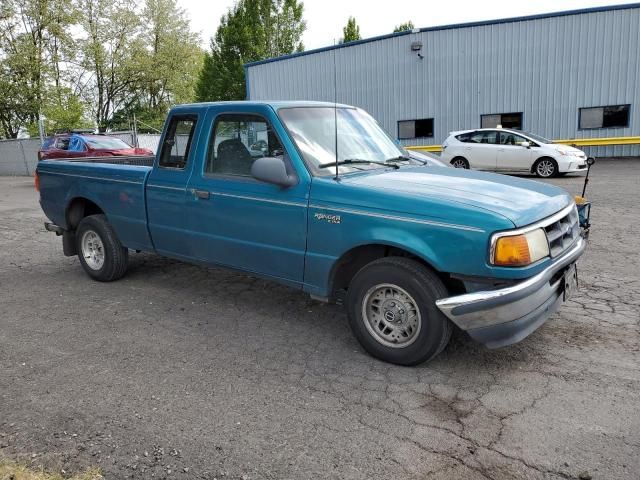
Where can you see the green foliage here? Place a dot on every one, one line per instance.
(148, 120)
(31, 35)
(351, 31)
(87, 60)
(173, 57)
(252, 30)
(112, 54)
(63, 111)
(404, 26)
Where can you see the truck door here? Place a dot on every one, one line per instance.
(237, 220)
(167, 185)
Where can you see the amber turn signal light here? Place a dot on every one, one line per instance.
(512, 251)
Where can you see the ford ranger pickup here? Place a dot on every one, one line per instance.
(318, 197)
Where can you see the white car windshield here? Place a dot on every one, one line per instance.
(360, 138)
(538, 138)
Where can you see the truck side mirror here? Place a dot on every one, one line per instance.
(273, 170)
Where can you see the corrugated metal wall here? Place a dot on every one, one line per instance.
(546, 68)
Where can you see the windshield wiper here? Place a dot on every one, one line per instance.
(355, 161)
(400, 158)
(404, 158)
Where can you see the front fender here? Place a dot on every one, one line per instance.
(447, 248)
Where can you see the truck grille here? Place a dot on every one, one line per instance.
(562, 233)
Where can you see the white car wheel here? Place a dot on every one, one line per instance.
(460, 162)
(546, 168)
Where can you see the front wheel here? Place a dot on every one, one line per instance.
(392, 311)
(546, 168)
(100, 252)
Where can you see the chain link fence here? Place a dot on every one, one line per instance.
(20, 156)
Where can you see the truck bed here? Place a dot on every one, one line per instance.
(115, 183)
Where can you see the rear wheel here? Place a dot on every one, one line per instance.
(460, 162)
(100, 252)
(546, 167)
(392, 311)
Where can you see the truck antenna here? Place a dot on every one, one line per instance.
(335, 105)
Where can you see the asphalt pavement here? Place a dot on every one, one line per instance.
(179, 371)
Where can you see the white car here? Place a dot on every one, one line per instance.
(504, 150)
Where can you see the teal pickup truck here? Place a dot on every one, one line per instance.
(318, 197)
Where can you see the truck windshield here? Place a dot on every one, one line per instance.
(313, 129)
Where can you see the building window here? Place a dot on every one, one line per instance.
(503, 120)
(415, 128)
(604, 117)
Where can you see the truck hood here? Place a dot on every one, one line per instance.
(519, 200)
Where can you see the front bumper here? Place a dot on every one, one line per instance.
(505, 316)
(576, 165)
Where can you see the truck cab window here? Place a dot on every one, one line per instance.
(237, 140)
(177, 142)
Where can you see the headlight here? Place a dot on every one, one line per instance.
(570, 153)
(519, 250)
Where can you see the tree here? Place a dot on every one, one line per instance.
(63, 112)
(252, 30)
(103, 57)
(32, 35)
(111, 52)
(351, 31)
(404, 26)
(169, 64)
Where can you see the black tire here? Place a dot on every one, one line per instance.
(423, 287)
(460, 162)
(550, 170)
(114, 256)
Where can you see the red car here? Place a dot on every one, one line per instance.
(76, 145)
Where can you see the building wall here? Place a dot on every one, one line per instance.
(545, 67)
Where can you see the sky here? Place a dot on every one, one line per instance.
(326, 18)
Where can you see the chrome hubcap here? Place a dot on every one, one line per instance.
(391, 315)
(545, 168)
(92, 250)
(459, 163)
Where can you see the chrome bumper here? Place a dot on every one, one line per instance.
(505, 316)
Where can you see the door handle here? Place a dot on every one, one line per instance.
(201, 194)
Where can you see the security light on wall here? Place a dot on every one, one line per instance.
(417, 47)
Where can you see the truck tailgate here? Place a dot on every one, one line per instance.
(116, 188)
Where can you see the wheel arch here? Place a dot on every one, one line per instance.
(351, 261)
(79, 208)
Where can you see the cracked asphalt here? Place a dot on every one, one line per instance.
(179, 371)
